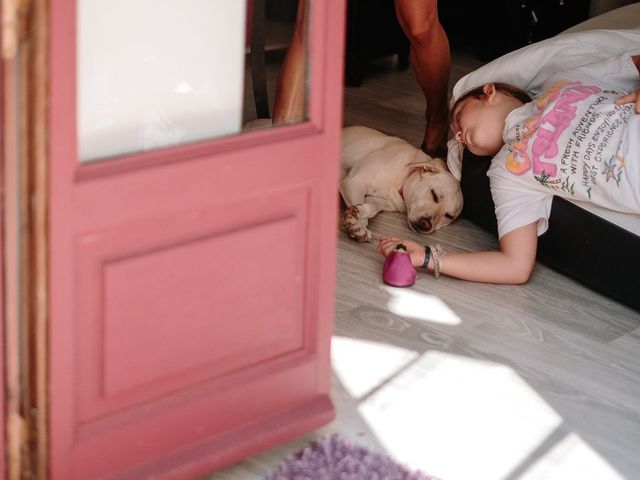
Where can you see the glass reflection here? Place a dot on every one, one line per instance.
(179, 72)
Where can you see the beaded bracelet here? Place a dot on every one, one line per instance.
(437, 252)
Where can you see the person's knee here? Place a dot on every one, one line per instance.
(421, 30)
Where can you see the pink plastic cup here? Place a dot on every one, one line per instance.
(398, 271)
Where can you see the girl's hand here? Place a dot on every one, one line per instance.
(633, 97)
(386, 245)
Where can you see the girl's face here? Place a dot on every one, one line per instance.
(478, 123)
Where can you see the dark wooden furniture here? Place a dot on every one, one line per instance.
(256, 42)
(373, 32)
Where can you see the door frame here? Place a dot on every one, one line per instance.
(24, 168)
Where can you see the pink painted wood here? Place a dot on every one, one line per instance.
(191, 288)
(2, 276)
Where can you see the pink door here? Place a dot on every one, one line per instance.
(191, 286)
(2, 276)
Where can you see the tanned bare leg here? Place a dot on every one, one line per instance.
(431, 61)
(289, 101)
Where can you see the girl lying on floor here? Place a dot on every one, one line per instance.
(579, 139)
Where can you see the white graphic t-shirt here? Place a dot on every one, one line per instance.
(572, 141)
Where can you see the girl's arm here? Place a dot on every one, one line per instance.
(512, 264)
(633, 97)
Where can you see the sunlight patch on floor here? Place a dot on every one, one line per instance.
(419, 306)
(571, 458)
(456, 417)
(459, 418)
(363, 366)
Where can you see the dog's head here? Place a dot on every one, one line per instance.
(432, 195)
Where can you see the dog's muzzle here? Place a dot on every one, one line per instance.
(422, 225)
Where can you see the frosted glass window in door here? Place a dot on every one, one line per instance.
(156, 73)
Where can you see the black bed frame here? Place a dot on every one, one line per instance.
(597, 253)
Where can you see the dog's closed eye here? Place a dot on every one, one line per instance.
(435, 197)
(449, 216)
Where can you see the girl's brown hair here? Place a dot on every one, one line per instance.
(505, 88)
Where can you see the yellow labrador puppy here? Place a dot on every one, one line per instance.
(382, 173)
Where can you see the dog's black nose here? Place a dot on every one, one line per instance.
(422, 225)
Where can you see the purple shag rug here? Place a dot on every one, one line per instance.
(336, 459)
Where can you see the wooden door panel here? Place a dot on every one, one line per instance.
(273, 385)
(173, 302)
(134, 444)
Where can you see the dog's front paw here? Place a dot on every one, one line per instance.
(351, 216)
(360, 234)
(355, 227)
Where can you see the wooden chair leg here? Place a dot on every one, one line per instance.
(258, 62)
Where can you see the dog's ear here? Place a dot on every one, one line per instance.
(424, 167)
